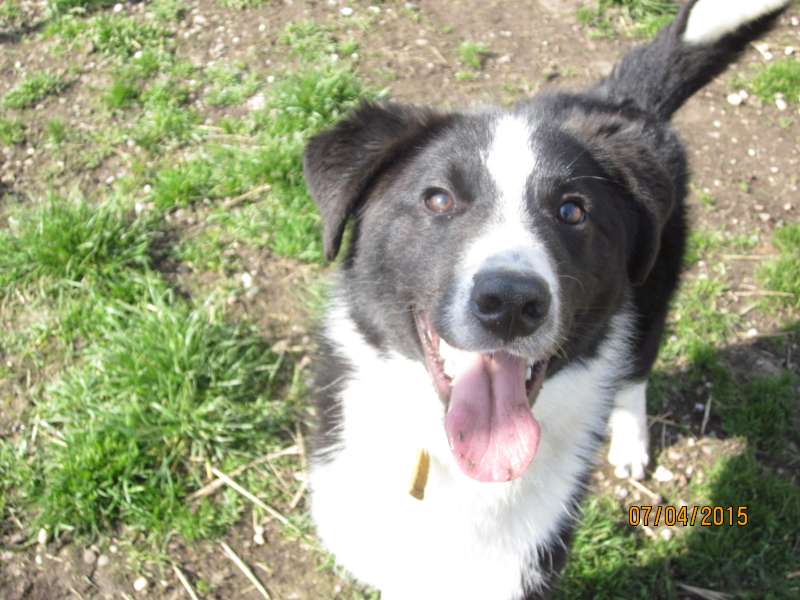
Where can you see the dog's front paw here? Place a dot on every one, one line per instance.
(629, 435)
(628, 450)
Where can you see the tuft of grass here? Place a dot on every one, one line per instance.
(32, 90)
(308, 40)
(165, 391)
(780, 77)
(697, 322)
(11, 132)
(14, 478)
(60, 7)
(164, 121)
(472, 54)
(639, 18)
(124, 36)
(64, 242)
(229, 85)
(56, 131)
(783, 274)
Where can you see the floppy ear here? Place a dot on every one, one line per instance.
(624, 151)
(342, 164)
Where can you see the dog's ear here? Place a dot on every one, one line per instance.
(342, 164)
(624, 150)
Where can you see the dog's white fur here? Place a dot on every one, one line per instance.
(507, 240)
(390, 410)
(710, 20)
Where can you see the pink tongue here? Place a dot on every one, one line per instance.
(489, 424)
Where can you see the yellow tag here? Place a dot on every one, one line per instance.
(420, 478)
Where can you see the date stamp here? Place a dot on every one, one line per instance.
(648, 515)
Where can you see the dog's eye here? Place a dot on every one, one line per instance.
(439, 201)
(571, 212)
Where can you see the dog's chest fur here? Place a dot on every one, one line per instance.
(492, 541)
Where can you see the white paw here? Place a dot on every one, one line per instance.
(628, 452)
(629, 435)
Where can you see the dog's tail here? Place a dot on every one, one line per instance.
(705, 37)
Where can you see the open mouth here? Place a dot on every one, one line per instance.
(489, 423)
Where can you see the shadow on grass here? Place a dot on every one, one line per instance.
(756, 400)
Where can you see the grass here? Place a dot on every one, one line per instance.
(780, 77)
(472, 54)
(164, 391)
(66, 242)
(637, 18)
(32, 90)
(227, 86)
(297, 106)
(783, 274)
(611, 560)
(11, 131)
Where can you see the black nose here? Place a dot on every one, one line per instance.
(510, 305)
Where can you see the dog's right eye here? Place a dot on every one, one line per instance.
(439, 201)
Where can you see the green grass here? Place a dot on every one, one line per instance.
(472, 54)
(297, 106)
(697, 322)
(125, 36)
(64, 242)
(11, 132)
(610, 560)
(639, 18)
(227, 85)
(163, 392)
(32, 90)
(779, 77)
(783, 274)
(65, 6)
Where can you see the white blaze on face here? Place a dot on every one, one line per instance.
(507, 240)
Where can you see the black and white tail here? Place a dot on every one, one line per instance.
(705, 37)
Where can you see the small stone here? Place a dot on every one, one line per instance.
(113, 549)
(788, 51)
(199, 20)
(270, 78)
(506, 58)
(140, 584)
(734, 99)
(89, 557)
(758, 207)
(663, 474)
(794, 21)
(103, 560)
(781, 104)
(751, 152)
(247, 280)
(774, 169)
(346, 11)
(788, 206)
(118, 8)
(262, 28)
(256, 102)
(699, 407)
(41, 537)
(38, 559)
(621, 492)
(752, 332)
(666, 534)
(764, 217)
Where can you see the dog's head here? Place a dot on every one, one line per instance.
(493, 246)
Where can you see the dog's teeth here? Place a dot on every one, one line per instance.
(529, 372)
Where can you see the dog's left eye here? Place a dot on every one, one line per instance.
(439, 201)
(571, 212)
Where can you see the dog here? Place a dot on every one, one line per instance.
(497, 311)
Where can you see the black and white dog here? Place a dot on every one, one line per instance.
(500, 304)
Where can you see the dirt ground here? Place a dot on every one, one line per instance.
(746, 157)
